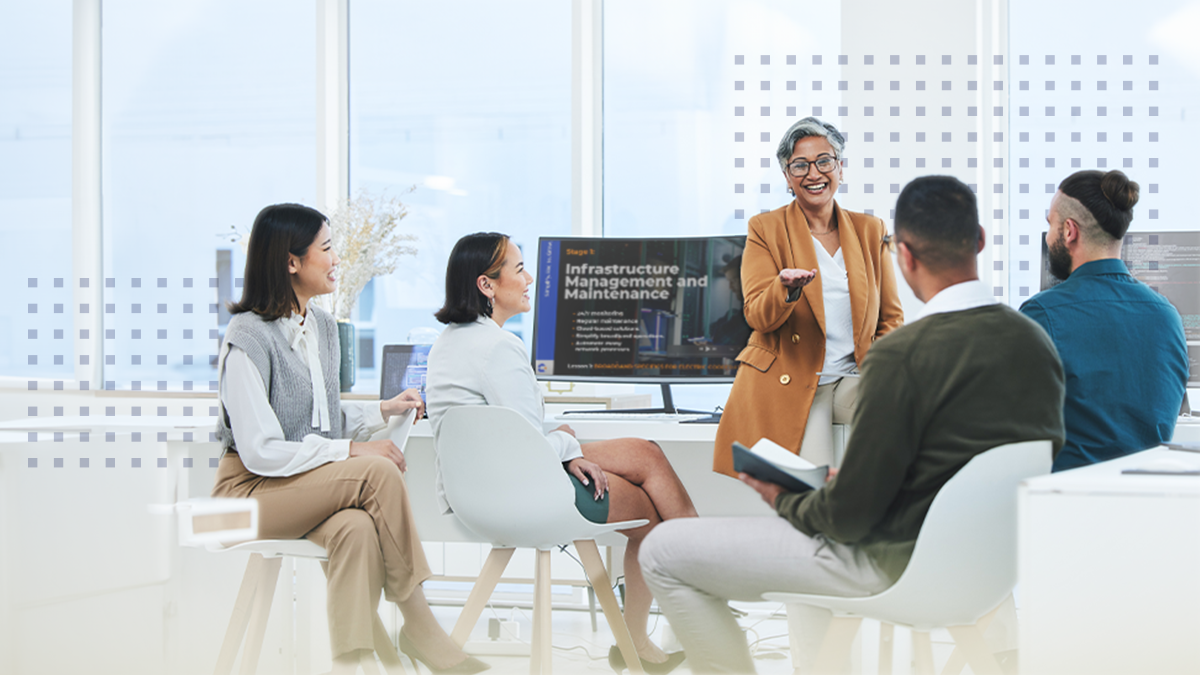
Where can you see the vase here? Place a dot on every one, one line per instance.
(346, 368)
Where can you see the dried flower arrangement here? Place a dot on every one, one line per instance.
(366, 237)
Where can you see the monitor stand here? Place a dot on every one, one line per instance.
(668, 407)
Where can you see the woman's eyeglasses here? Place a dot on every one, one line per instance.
(799, 168)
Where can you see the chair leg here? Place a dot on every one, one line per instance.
(922, 653)
(970, 640)
(592, 607)
(589, 555)
(367, 663)
(268, 576)
(240, 617)
(540, 661)
(489, 576)
(958, 659)
(384, 648)
(835, 648)
(887, 643)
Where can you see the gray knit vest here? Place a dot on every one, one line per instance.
(289, 385)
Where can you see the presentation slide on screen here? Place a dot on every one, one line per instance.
(639, 307)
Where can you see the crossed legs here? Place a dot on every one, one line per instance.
(696, 566)
(641, 484)
(358, 510)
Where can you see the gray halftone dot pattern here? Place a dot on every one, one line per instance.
(136, 437)
(213, 462)
(135, 463)
(187, 462)
(110, 463)
(32, 463)
(162, 462)
(84, 463)
(58, 462)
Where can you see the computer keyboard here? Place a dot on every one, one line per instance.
(617, 415)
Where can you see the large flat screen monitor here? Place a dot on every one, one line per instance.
(662, 310)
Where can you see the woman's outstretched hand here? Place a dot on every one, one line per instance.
(384, 448)
(402, 403)
(793, 278)
(582, 469)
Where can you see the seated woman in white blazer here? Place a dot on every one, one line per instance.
(476, 362)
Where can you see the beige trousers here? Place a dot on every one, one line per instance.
(358, 510)
(833, 404)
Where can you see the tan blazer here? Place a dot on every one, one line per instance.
(777, 379)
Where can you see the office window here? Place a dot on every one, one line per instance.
(469, 102)
(208, 115)
(1132, 113)
(36, 321)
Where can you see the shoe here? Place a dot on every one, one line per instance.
(617, 662)
(467, 667)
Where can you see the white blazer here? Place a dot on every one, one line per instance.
(480, 363)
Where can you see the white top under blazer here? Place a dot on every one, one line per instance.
(480, 363)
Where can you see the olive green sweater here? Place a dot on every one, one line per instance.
(933, 395)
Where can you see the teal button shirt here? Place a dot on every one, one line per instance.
(1125, 357)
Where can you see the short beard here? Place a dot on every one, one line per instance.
(1060, 259)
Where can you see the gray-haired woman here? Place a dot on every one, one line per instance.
(819, 289)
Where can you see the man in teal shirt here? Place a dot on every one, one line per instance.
(1122, 345)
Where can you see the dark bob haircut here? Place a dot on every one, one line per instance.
(473, 255)
(937, 218)
(278, 230)
(1109, 197)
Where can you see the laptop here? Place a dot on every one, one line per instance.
(404, 367)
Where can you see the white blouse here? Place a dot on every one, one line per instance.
(480, 363)
(839, 322)
(260, 442)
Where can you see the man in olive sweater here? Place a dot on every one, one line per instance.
(967, 375)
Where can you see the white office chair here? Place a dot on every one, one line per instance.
(963, 566)
(253, 604)
(506, 483)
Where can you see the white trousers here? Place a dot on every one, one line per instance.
(833, 403)
(694, 566)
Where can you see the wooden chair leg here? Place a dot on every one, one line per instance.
(385, 649)
(489, 576)
(589, 555)
(887, 643)
(970, 640)
(592, 607)
(261, 609)
(240, 617)
(367, 663)
(958, 659)
(835, 648)
(922, 653)
(540, 652)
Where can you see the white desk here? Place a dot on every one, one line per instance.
(1109, 566)
(82, 560)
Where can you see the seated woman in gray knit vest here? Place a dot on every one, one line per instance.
(294, 446)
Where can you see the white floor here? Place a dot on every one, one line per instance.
(577, 649)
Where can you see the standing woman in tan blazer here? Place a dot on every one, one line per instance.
(819, 290)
